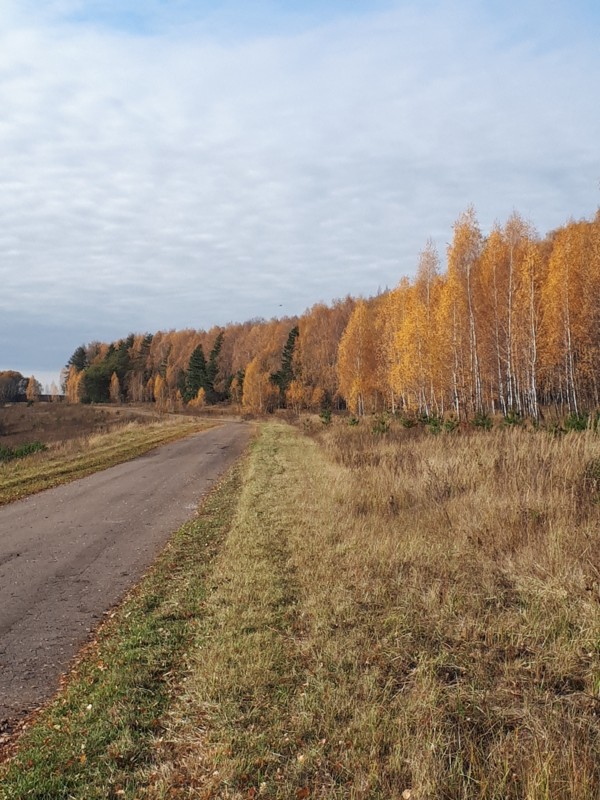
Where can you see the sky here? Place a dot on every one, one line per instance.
(185, 163)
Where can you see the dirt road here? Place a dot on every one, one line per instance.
(68, 554)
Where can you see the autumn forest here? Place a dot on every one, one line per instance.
(511, 327)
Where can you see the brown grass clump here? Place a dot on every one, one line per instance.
(401, 615)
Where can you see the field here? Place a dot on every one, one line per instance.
(59, 422)
(77, 440)
(379, 614)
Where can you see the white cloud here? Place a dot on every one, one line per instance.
(167, 180)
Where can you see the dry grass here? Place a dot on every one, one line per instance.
(59, 422)
(485, 548)
(392, 616)
(76, 457)
(399, 615)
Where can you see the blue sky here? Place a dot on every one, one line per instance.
(182, 164)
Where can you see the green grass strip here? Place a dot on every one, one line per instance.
(96, 738)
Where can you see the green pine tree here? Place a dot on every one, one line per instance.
(212, 370)
(285, 374)
(196, 377)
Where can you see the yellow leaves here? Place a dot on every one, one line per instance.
(235, 389)
(200, 400)
(296, 395)
(465, 249)
(317, 398)
(513, 321)
(115, 389)
(321, 329)
(74, 385)
(160, 392)
(260, 394)
(356, 360)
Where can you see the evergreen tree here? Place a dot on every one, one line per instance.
(212, 369)
(141, 362)
(118, 360)
(285, 374)
(196, 377)
(79, 359)
(96, 384)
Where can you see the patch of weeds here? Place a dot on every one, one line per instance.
(353, 421)
(576, 422)
(381, 424)
(482, 420)
(22, 450)
(308, 426)
(407, 422)
(325, 416)
(434, 424)
(450, 424)
(512, 417)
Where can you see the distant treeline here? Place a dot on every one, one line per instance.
(512, 326)
(15, 388)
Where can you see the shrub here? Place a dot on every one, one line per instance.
(482, 420)
(451, 424)
(434, 423)
(576, 422)
(381, 424)
(407, 422)
(325, 416)
(513, 417)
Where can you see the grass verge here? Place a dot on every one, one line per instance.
(96, 738)
(75, 459)
(390, 615)
(398, 617)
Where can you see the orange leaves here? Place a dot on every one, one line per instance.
(74, 385)
(513, 322)
(115, 389)
(260, 394)
(357, 360)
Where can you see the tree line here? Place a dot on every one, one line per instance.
(511, 326)
(15, 387)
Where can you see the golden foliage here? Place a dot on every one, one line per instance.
(512, 326)
(260, 394)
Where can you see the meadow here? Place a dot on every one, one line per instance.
(383, 612)
(46, 444)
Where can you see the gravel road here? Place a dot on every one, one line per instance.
(67, 555)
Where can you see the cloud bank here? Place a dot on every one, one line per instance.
(188, 172)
